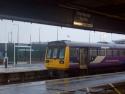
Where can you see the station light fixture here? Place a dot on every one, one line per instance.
(78, 23)
(82, 24)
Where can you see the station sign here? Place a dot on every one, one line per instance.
(82, 19)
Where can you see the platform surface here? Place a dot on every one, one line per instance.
(63, 85)
(22, 68)
(29, 88)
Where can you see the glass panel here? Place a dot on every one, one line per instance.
(109, 52)
(74, 55)
(122, 53)
(101, 52)
(115, 52)
(55, 53)
(49, 53)
(61, 53)
(93, 52)
(73, 52)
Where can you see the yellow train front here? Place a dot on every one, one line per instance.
(57, 56)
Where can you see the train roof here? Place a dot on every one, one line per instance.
(83, 44)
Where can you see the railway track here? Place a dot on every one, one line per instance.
(117, 88)
(112, 83)
(30, 76)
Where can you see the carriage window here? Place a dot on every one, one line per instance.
(121, 53)
(61, 53)
(74, 52)
(55, 53)
(109, 52)
(74, 55)
(93, 52)
(102, 52)
(115, 52)
(49, 52)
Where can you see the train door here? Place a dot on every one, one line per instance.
(83, 58)
(74, 57)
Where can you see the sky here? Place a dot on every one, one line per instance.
(24, 32)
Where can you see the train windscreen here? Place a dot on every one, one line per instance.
(55, 53)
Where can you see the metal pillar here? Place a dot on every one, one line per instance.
(30, 53)
(14, 56)
(6, 58)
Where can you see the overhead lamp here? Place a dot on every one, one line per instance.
(83, 24)
(78, 23)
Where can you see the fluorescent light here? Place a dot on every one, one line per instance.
(82, 24)
(78, 23)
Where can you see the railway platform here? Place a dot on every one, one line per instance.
(76, 85)
(22, 73)
(22, 68)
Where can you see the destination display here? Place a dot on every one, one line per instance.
(83, 19)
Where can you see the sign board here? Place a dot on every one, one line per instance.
(83, 19)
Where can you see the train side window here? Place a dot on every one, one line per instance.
(101, 52)
(121, 52)
(109, 52)
(115, 52)
(74, 55)
(74, 52)
(93, 52)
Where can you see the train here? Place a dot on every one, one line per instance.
(65, 55)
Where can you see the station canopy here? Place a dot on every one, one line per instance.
(99, 15)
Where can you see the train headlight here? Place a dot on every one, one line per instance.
(61, 62)
(47, 61)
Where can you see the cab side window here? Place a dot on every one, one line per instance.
(74, 55)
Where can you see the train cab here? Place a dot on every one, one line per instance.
(62, 55)
(57, 54)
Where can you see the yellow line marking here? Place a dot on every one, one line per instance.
(115, 89)
(87, 89)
